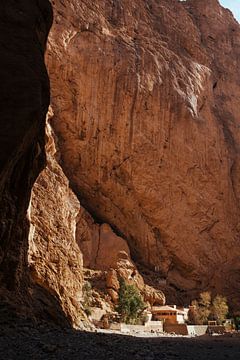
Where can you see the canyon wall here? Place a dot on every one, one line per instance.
(145, 96)
(24, 100)
(146, 133)
(54, 258)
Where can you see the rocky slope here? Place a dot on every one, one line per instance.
(145, 96)
(24, 100)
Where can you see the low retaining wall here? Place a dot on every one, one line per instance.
(154, 326)
(184, 329)
(197, 330)
(131, 328)
(180, 329)
(150, 326)
(216, 329)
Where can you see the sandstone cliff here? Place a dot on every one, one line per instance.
(24, 100)
(54, 258)
(145, 100)
(145, 96)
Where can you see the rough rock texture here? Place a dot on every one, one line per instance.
(87, 235)
(103, 250)
(124, 268)
(54, 258)
(99, 244)
(145, 95)
(24, 100)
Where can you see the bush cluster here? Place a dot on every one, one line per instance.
(206, 308)
(130, 303)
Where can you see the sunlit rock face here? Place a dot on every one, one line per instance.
(145, 96)
(124, 269)
(54, 258)
(24, 100)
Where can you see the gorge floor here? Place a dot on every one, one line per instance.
(21, 338)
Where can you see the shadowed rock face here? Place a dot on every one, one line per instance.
(24, 100)
(145, 96)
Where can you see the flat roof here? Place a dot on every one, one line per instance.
(166, 308)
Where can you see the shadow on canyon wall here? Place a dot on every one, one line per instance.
(24, 100)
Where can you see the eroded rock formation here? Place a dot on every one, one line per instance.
(125, 269)
(54, 258)
(99, 244)
(145, 95)
(24, 100)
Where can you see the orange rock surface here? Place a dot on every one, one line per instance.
(145, 97)
(54, 258)
(125, 269)
(99, 244)
(146, 108)
(146, 102)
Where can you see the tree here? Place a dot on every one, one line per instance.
(205, 308)
(200, 310)
(87, 297)
(219, 308)
(192, 313)
(237, 322)
(130, 302)
(205, 299)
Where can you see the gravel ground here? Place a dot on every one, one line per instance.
(22, 339)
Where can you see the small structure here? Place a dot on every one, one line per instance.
(229, 325)
(148, 316)
(186, 311)
(169, 314)
(212, 323)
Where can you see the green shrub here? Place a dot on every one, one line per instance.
(237, 322)
(87, 297)
(130, 303)
(88, 311)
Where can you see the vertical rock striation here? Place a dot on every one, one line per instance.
(145, 95)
